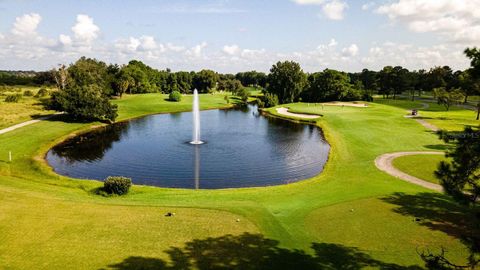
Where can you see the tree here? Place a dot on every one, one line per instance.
(60, 76)
(448, 98)
(184, 81)
(84, 90)
(467, 84)
(205, 80)
(88, 71)
(330, 85)
(474, 71)
(243, 93)
(286, 80)
(252, 78)
(85, 102)
(271, 100)
(401, 80)
(144, 79)
(369, 79)
(230, 85)
(474, 55)
(460, 178)
(385, 81)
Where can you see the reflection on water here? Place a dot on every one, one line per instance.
(243, 149)
(197, 166)
(91, 146)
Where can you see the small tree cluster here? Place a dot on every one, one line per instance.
(230, 85)
(85, 102)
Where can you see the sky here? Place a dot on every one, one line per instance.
(239, 35)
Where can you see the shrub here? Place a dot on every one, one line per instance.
(260, 103)
(117, 185)
(42, 92)
(271, 100)
(243, 93)
(28, 93)
(13, 98)
(175, 96)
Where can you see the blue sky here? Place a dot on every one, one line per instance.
(237, 35)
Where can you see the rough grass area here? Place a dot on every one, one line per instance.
(49, 221)
(420, 166)
(26, 109)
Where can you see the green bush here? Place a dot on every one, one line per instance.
(271, 100)
(13, 98)
(117, 185)
(175, 96)
(42, 92)
(28, 93)
(243, 93)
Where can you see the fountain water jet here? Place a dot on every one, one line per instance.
(196, 119)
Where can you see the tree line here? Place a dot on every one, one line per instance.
(286, 82)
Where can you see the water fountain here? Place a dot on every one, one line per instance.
(196, 119)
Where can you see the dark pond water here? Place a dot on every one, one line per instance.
(242, 149)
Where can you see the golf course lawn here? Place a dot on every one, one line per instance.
(420, 166)
(352, 214)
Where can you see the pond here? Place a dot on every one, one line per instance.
(242, 149)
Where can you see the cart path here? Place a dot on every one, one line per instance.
(385, 163)
(17, 126)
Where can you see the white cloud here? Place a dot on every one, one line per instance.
(231, 50)
(332, 43)
(216, 7)
(350, 51)
(175, 48)
(85, 30)
(196, 51)
(451, 19)
(331, 9)
(40, 52)
(65, 40)
(148, 43)
(368, 5)
(26, 24)
(334, 10)
(309, 2)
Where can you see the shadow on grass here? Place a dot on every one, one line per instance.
(65, 118)
(438, 212)
(253, 251)
(442, 147)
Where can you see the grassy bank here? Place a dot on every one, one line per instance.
(350, 214)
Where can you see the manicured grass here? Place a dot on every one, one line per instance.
(420, 166)
(456, 119)
(75, 225)
(138, 105)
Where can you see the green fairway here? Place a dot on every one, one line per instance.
(420, 166)
(351, 215)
